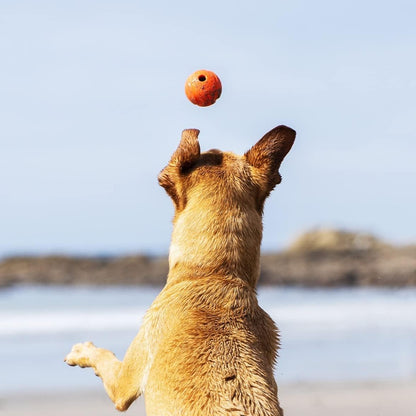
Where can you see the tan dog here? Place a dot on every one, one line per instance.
(205, 346)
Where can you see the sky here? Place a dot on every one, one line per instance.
(92, 106)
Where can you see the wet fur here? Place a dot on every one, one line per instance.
(205, 346)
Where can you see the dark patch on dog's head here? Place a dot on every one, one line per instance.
(213, 157)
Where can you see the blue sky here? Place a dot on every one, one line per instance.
(92, 106)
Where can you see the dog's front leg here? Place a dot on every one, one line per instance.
(123, 380)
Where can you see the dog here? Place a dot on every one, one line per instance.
(205, 346)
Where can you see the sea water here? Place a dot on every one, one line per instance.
(354, 334)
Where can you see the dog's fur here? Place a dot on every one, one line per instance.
(205, 346)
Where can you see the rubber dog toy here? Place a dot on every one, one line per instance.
(203, 88)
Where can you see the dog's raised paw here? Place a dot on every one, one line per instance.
(80, 354)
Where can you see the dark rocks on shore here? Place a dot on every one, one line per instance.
(65, 270)
(327, 257)
(317, 258)
(386, 267)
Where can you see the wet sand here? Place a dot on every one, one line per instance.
(312, 399)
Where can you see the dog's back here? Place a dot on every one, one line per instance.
(214, 353)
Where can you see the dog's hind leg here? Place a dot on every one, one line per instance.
(123, 380)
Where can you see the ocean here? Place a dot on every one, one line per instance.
(340, 334)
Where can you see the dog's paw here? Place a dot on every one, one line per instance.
(81, 354)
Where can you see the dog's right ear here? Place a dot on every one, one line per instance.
(184, 157)
(267, 155)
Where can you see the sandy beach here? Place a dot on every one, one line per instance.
(312, 399)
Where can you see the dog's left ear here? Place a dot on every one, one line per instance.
(268, 153)
(184, 157)
(188, 151)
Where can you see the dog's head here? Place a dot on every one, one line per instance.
(223, 177)
(219, 199)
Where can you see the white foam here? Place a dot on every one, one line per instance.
(25, 323)
(347, 316)
(294, 309)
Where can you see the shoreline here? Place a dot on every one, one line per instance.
(318, 258)
(369, 398)
(381, 267)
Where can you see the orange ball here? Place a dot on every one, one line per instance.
(203, 88)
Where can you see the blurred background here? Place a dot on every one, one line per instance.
(92, 105)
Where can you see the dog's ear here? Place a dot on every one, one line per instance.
(184, 157)
(267, 155)
(188, 151)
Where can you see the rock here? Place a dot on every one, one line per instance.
(324, 239)
(83, 270)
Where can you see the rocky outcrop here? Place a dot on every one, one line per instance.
(383, 267)
(317, 258)
(327, 239)
(327, 257)
(129, 270)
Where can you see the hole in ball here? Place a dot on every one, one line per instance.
(202, 78)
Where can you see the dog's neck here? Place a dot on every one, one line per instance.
(215, 241)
